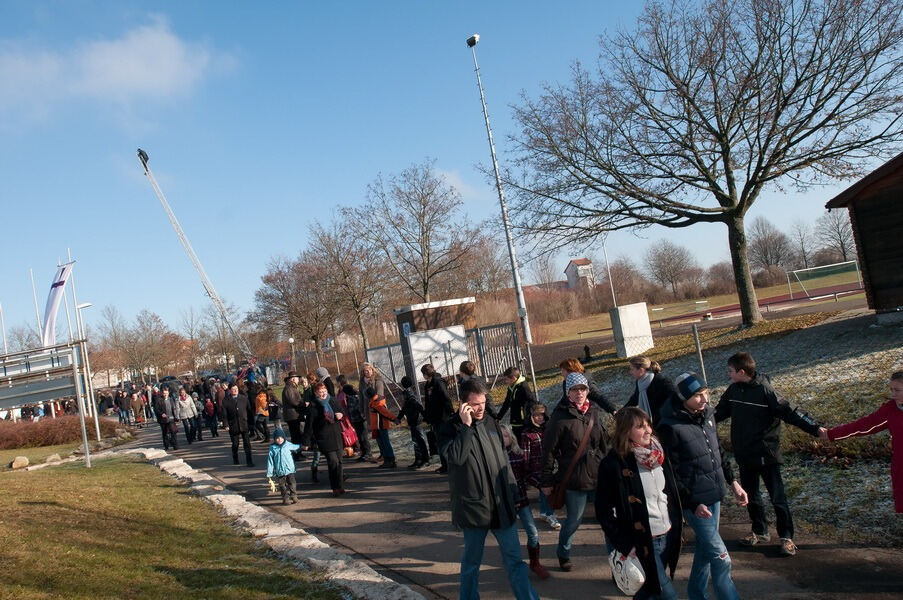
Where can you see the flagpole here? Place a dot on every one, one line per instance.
(68, 318)
(82, 334)
(37, 311)
(3, 327)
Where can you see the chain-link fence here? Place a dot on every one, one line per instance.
(493, 349)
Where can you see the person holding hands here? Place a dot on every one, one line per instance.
(690, 441)
(889, 416)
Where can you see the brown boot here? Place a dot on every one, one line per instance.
(535, 566)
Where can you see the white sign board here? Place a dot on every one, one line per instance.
(632, 330)
(444, 348)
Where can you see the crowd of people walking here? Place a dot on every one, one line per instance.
(659, 468)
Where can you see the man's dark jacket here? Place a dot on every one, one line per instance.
(479, 475)
(234, 411)
(691, 444)
(292, 402)
(756, 412)
(437, 403)
(165, 407)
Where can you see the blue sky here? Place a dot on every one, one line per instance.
(259, 118)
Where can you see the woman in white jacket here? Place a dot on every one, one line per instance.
(188, 414)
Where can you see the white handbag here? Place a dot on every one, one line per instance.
(627, 572)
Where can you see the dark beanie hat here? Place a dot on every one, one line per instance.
(689, 384)
(277, 433)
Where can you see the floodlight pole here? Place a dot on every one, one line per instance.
(515, 271)
(610, 282)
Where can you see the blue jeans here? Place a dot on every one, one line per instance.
(526, 519)
(509, 545)
(315, 458)
(710, 557)
(544, 508)
(660, 547)
(385, 446)
(575, 503)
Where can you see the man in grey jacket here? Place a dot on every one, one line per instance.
(482, 491)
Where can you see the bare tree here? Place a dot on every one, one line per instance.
(768, 247)
(543, 270)
(152, 345)
(487, 267)
(415, 218)
(195, 335)
(222, 344)
(689, 117)
(22, 337)
(299, 296)
(802, 242)
(720, 279)
(834, 232)
(669, 264)
(356, 268)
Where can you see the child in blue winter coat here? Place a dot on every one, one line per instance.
(281, 465)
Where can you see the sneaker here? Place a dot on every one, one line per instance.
(788, 548)
(755, 538)
(552, 520)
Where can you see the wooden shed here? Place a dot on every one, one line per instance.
(875, 204)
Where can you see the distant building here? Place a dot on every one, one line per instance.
(580, 274)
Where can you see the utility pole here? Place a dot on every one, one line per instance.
(515, 270)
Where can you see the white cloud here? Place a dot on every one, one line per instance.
(468, 191)
(146, 64)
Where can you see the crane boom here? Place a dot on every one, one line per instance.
(208, 285)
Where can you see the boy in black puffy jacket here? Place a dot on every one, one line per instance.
(412, 410)
(756, 411)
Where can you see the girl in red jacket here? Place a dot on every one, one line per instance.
(888, 416)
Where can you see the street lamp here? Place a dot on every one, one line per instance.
(515, 271)
(89, 384)
(291, 342)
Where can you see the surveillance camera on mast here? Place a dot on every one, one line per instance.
(472, 40)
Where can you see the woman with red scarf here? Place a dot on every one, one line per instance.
(573, 419)
(637, 502)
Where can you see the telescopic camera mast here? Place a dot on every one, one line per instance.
(208, 285)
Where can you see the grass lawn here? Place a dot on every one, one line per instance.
(594, 325)
(678, 345)
(123, 529)
(36, 455)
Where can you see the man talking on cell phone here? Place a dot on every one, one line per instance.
(482, 491)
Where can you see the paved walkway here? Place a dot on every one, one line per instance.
(399, 522)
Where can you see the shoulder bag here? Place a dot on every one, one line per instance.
(559, 490)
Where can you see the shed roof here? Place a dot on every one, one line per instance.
(849, 194)
(579, 262)
(435, 304)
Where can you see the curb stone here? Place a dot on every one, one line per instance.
(277, 532)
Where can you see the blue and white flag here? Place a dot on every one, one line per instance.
(53, 303)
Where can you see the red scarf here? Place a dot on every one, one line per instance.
(650, 456)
